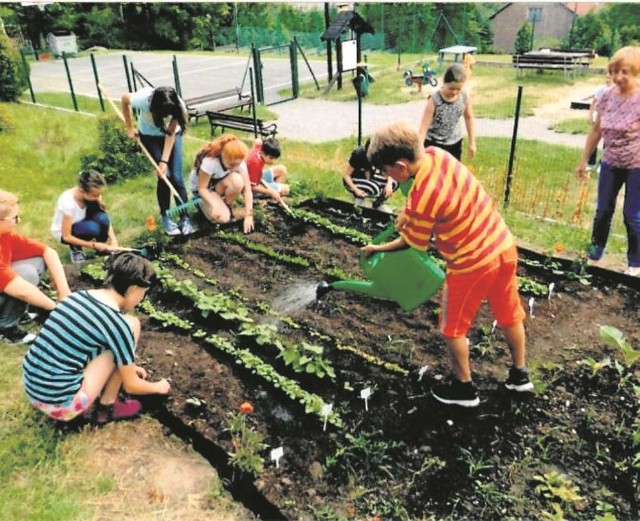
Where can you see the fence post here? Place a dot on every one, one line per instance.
(253, 105)
(512, 152)
(295, 86)
(134, 77)
(95, 75)
(73, 94)
(176, 75)
(126, 72)
(258, 74)
(27, 73)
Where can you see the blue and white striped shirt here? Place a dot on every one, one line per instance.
(78, 330)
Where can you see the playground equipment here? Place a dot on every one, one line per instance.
(408, 276)
(429, 76)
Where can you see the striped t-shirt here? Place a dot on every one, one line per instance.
(78, 330)
(446, 200)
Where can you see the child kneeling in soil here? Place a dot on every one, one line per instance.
(446, 200)
(219, 176)
(364, 180)
(86, 349)
(270, 181)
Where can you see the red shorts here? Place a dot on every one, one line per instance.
(463, 293)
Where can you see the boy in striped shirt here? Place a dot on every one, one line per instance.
(447, 202)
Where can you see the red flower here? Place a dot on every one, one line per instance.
(151, 223)
(246, 408)
(559, 247)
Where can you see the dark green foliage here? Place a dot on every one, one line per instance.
(119, 158)
(12, 78)
(523, 39)
(590, 32)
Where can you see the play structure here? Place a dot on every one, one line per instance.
(428, 77)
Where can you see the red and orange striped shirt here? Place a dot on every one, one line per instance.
(446, 200)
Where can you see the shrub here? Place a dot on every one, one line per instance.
(119, 158)
(6, 120)
(13, 79)
(523, 39)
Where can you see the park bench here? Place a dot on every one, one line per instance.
(569, 63)
(224, 100)
(223, 120)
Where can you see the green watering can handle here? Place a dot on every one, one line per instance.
(383, 236)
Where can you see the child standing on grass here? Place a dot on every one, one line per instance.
(448, 202)
(22, 264)
(267, 182)
(162, 120)
(219, 176)
(441, 124)
(365, 181)
(86, 349)
(80, 219)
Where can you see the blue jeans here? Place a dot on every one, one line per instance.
(610, 182)
(155, 145)
(11, 309)
(93, 227)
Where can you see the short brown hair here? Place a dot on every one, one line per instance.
(393, 142)
(7, 202)
(128, 269)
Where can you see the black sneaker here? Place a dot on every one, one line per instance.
(456, 393)
(16, 335)
(519, 380)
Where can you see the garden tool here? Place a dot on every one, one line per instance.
(177, 211)
(284, 205)
(143, 252)
(408, 276)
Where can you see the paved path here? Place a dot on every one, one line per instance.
(317, 121)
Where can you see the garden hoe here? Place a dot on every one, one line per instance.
(182, 208)
(408, 276)
(284, 205)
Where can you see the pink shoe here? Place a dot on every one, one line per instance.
(120, 410)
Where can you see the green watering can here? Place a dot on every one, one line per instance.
(408, 276)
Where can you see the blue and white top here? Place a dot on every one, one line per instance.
(78, 330)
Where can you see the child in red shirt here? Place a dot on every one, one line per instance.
(448, 202)
(267, 182)
(22, 263)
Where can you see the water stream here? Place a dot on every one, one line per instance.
(295, 298)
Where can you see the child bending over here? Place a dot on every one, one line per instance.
(86, 349)
(219, 176)
(270, 181)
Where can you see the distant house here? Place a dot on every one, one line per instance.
(550, 19)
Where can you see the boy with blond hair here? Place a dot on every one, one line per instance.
(448, 202)
(22, 264)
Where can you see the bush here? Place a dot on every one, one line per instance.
(6, 120)
(523, 39)
(119, 157)
(13, 79)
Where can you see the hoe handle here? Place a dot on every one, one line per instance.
(141, 145)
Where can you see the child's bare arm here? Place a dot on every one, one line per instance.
(470, 122)
(395, 244)
(134, 383)
(427, 118)
(348, 179)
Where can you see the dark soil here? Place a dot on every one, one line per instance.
(568, 448)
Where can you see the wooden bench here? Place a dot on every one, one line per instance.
(222, 120)
(228, 99)
(568, 63)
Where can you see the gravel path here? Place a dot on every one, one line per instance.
(317, 121)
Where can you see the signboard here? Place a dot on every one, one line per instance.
(349, 55)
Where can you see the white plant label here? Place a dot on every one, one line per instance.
(551, 286)
(326, 411)
(531, 303)
(276, 454)
(493, 326)
(365, 394)
(421, 371)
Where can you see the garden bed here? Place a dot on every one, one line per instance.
(235, 320)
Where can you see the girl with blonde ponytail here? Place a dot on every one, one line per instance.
(219, 176)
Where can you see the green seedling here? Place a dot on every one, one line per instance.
(555, 486)
(614, 337)
(597, 365)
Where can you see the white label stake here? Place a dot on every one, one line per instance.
(551, 286)
(531, 302)
(326, 411)
(276, 454)
(365, 394)
(493, 326)
(421, 371)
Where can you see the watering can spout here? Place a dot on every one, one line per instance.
(364, 287)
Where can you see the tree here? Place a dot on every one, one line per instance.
(523, 38)
(12, 77)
